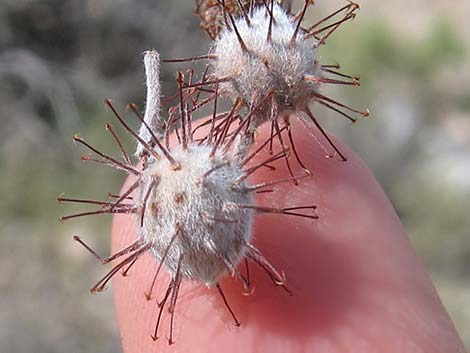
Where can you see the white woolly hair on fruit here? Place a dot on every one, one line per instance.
(265, 53)
(277, 63)
(188, 212)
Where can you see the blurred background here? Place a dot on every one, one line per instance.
(60, 59)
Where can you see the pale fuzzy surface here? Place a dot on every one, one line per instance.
(268, 65)
(184, 198)
(152, 105)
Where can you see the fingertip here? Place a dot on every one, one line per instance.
(354, 278)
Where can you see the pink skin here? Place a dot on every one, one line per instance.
(357, 284)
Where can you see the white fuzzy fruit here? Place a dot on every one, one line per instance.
(256, 63)
(188, 214)
(193, 205)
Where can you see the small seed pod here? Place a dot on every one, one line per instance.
(263, 52)
(190, 196)
(186, 213)
(267, 54)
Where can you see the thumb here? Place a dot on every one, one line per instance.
(356, 283)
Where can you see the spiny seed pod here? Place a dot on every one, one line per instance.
(262, 51)
(191, 197)
(267, 54)
(188, 202)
